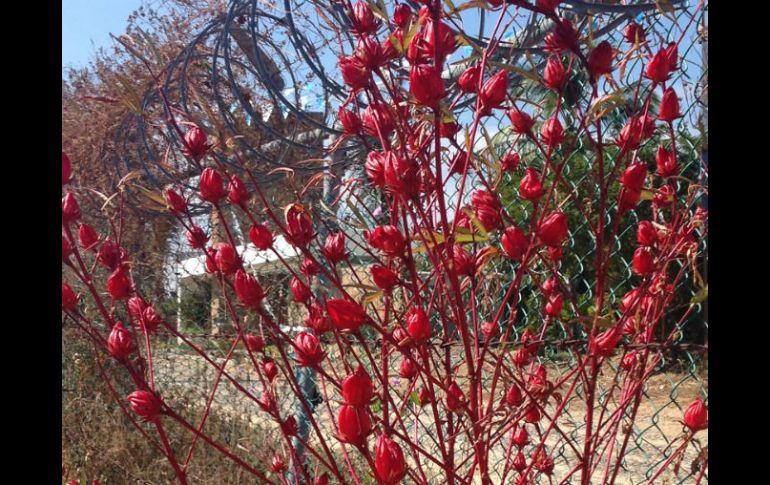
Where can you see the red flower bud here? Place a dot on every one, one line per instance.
(377, 120)
(387, 239)
(550, 286)
(487, 209)
(544, 463)
(370, 52)
(664, 196)
(469, 79)
(696, 416)
(195, 145)
(322, 480)
(354, 72)
(278, 465)
(407, 369)
(521, 357)
(553, 230)
(248, 290)
(669, 106)
(644, 262)
(375, 168)
(648, 126)
(402, 14)
(383, 277)
(630, 135)
(175, 201)
(236, 191)
(269, 368)
(532, 414)
(462, 262)
(400, 175)
(530, 187)
(633, 176)
(493, 91)
(659, 68)
(211, 186)
(197, 237)
(520, 436)
(317, 320)
(672, 55)
(554, 305)
(226, 258)
(418, 325)
(629, 360)
(634, 33)
(334, 248)
(447, 41)
(68, 298)
(289, 426)
(509, 162)
(448, 129)
(665, 160)
(255, 343)
(351, 123)
(299, 227)
(66, 169)
(600, 60)
(519, 463)
(136, 306)
(489, 329)
(389, 461)
(363, 19)
(514, 242)
(150, 320)
(426, 85)
(145, 404)
(308, 351)
(299, 290)
(110, 254)
(120, 344)
(261, 237)
(563, 37)
(70, 210)
(455, 399)
(555, 75)
(646, 234)
(522, 123)
(346, 315)
(118, 285)
(514, 397)
(87, 236)
(426, 396)
(354, 425)
(604, 343)
(357, 389)
(552, 132)
(628, 199)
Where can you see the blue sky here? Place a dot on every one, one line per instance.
(86, 25)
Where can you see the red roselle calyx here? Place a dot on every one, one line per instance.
(552, 132)
(418, 325)
(236, 191)
(514, 243)
(261, 237)
(520, 462)
(346, 315)
(510, 161)
(563, 37)
(514, 397)
(248, 290)
(211, 186)
(407, 369)
(554, 305)
(351, 122)
(426, 85)
(387, 239)
(643, 263)
(633, 33)
(145, 404)
(383, 277)
(70, 210)
(150, 320)
(175, 202)
(493, 92)
(357, 389)
(604, 344)
(463, 263)
(255, 343)
(195, 143)
(553, 230)
(520, 437)
(600, 60)
(455, 399)
(69, 299)
(469, 79)
(530, 187)
(646, 234)
(299, 290)
(377, 120)
(487, 209)
(400, 175)
(269, 368)
(197, 237)
(119, 285)
(554, 75)
(354, 424)
(354, 72)
(389, 461)
(375, 168)
(120, 344)
(665, 160)
(633, 176)
(696, 416)
(363, 19)
(334, 248)
(521, 122)
(278, 464)
(87, 236)
(659, 69)
(226, 258)
(308, 351)
(370, 52)
(669, 106)
(299, 227)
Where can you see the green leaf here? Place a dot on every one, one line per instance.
(702, 295)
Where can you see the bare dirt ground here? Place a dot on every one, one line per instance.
(657, 430)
